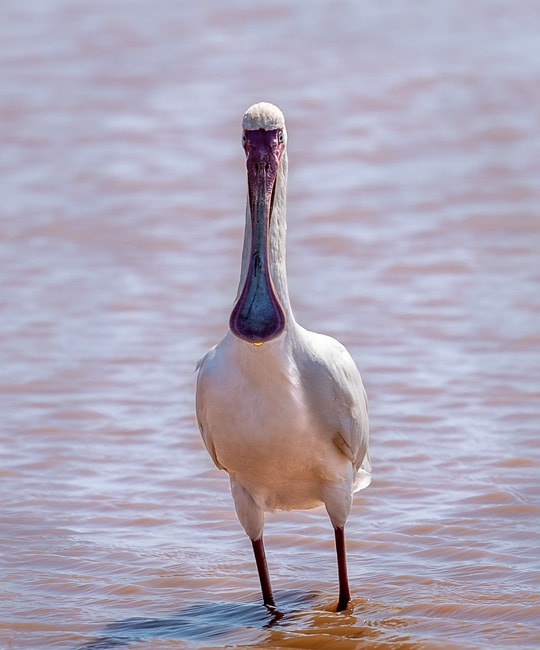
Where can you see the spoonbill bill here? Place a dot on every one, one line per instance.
(283, 410)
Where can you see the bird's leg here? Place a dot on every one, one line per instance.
(262, 568)
(344, 592)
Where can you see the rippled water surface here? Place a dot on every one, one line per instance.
(414, 237)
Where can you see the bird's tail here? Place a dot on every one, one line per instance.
(363, 475)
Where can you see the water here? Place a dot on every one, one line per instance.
(414, 237)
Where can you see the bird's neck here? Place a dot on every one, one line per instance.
(276, 242)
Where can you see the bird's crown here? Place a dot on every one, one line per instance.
(263, 116)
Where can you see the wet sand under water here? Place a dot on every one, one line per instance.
(414, 238)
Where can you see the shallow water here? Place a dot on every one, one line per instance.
(414, 237)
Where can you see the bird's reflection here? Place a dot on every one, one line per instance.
(198, 622)
(227, 623)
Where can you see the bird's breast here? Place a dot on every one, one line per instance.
(265, 436)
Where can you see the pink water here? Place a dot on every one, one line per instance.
(414, 237)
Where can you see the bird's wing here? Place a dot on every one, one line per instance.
(334, 389)
(205, 368)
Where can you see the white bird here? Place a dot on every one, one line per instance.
(281, 409)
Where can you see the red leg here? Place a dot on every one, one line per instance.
(262, 568)
(344, 592)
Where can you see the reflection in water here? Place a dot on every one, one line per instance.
(413, 237)
(198, 622)
(224, 623)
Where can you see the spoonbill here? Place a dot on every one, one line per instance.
(283, 410)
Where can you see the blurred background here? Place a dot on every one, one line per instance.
(414, 238)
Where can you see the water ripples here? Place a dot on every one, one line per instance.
(413, 237)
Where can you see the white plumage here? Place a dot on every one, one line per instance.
(281, 409)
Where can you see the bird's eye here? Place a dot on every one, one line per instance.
(244, 139)
(281, 137)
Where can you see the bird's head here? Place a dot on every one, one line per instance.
(264, 140)
(258, 314)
